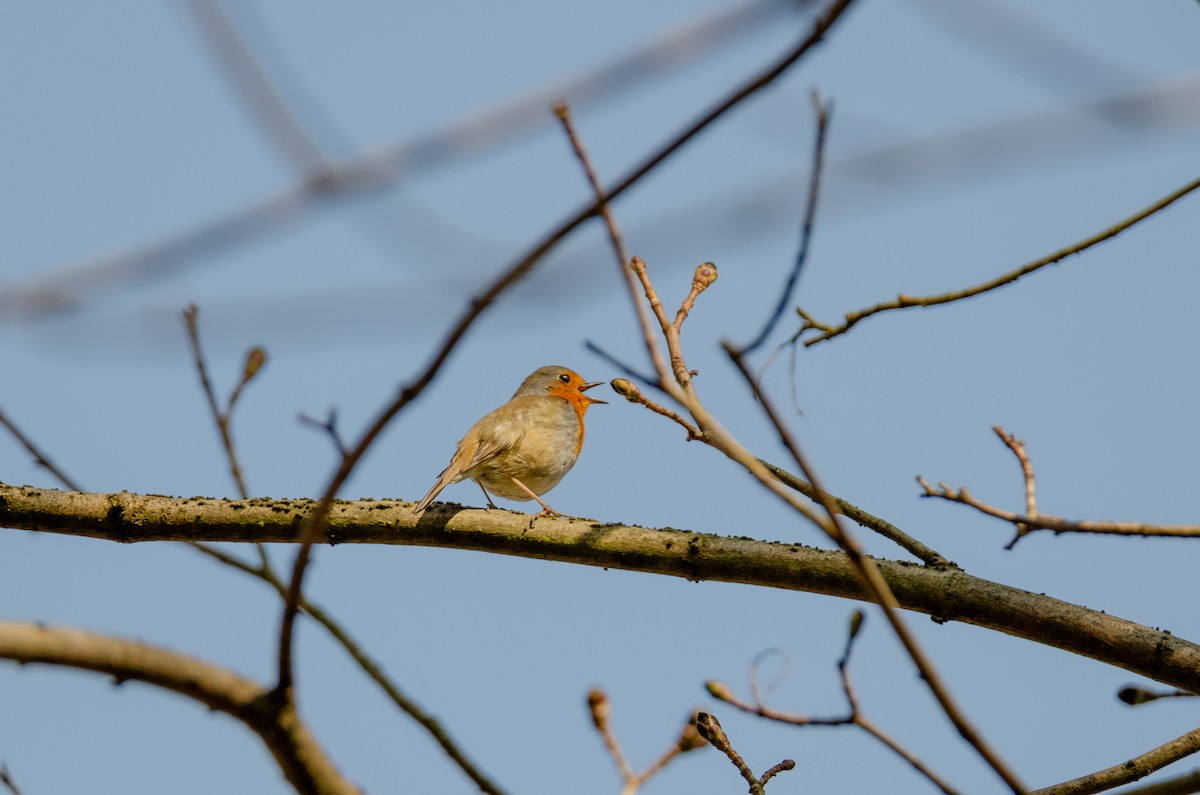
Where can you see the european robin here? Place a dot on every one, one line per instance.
(524, 448)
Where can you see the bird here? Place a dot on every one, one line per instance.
(524, 448)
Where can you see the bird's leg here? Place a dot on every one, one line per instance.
(487, 496)
(546, 509)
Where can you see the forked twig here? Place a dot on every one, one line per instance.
(689, 740)
(1032, 519)
(829, 331)
(854, 716)
(710, 729)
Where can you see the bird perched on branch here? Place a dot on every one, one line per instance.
(524, 448)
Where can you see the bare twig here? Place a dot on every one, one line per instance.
(256, 357)
(329, 426)
(874, 523)
(828, 331)
(710, 729)
(600, 707)
(40, 458)
(563, 111)
(315, 522)
(1130, 770)
(650, 380)
(1026, 524)
(1135, 696)
(853, 718)
(823, 111)
(628, 390)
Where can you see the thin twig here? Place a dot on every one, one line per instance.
(40, 458)
(1134, 695)
(1055, 524)
(563, 112)
(628, 390)
(829, 331)
(220, 417)
(329, 426)
(600, 709)
(710, 729)
(823, 111)
(649, 380)
(315, 522)
(922, 552)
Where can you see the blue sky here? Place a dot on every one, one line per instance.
(956, 152)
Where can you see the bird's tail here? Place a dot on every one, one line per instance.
(444, 480)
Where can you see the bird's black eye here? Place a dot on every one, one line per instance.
(565, 378)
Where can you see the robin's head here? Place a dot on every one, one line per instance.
(561, 382)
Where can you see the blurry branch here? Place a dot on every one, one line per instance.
(828, 331)
(259, 97)
(314, 524)
(7, 781)
(853, 718)
(1184, 784)
(256, 357)
(368, 172)
(1130, 770)
(39, 458)
(823, 111)
(1135, 696)
(599, 707)
(947, 594)
(295, 750)
(267, 574)
(1031, 520)
(563, 111)
(710, 729)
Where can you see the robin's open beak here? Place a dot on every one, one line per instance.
(591, 399)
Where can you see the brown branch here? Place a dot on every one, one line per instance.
(947, 593)
(710, 729)
(265, 573)
(315, 522)
(1128, 771)
(828, 331)
(40, 458)
(277, 725)
(1056, 524)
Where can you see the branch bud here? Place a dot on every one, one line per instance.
(256, 357)
(706, 274)
(599, 706)
(710, 729)
(626, 389)
(689, 738)
(718, 690)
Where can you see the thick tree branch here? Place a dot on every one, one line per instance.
(296, 751)
(944, 593)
